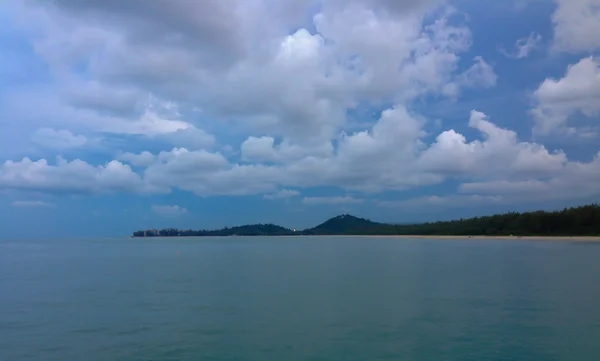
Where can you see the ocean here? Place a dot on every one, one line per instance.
(304, 298)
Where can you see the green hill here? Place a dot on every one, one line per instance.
(347, 224)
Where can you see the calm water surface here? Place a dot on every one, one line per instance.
(299, 299)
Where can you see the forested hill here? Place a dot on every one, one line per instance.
(578, 221)
(346, 224)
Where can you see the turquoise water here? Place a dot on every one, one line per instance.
(299, 299)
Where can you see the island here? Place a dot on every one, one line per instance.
(576, 221)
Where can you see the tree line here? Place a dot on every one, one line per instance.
(248, 230)
(575, 221)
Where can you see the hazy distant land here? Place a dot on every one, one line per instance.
(582, 222)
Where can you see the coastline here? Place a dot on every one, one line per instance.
(508, 238)
(439, 237)
(475, 238)
(569, 224)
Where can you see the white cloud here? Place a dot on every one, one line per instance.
(173, 210)
(524, 46)
(559, 100)
(259, 149)
(296, 86)
(372, 160)
(577, 25)
(31, 204)
(150, 123)
(190, 138)
(264, 149)
(58, 139)
(144, 159)
(75, 176)
(576, 181)
(153, 120)
(499, 155)
(205, 173)
(391, 155)
(286, 77)
(315, 201)
(283, 194)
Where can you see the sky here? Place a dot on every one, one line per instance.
(125, 115)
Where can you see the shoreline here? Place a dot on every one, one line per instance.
(440, 237)
(450, 237)
(515, 238)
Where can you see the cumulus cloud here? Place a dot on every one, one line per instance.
(264, 149)
(31, 204)
(390, 155)
(152, 120)
(294, 85)
(576, 180)
(190, 138)
(371, 160)
(577, 25)
(149, 123)
(173, 210)
(279, 81)
(259, 149)
(558, 101)
(205, 173)
(75, 176)
(143, 159)
(499, 155)
(58, 139)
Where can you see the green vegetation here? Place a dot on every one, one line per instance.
(578, 221)
(248, 230)
(346, 224)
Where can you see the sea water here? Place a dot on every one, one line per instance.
(303, 298)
